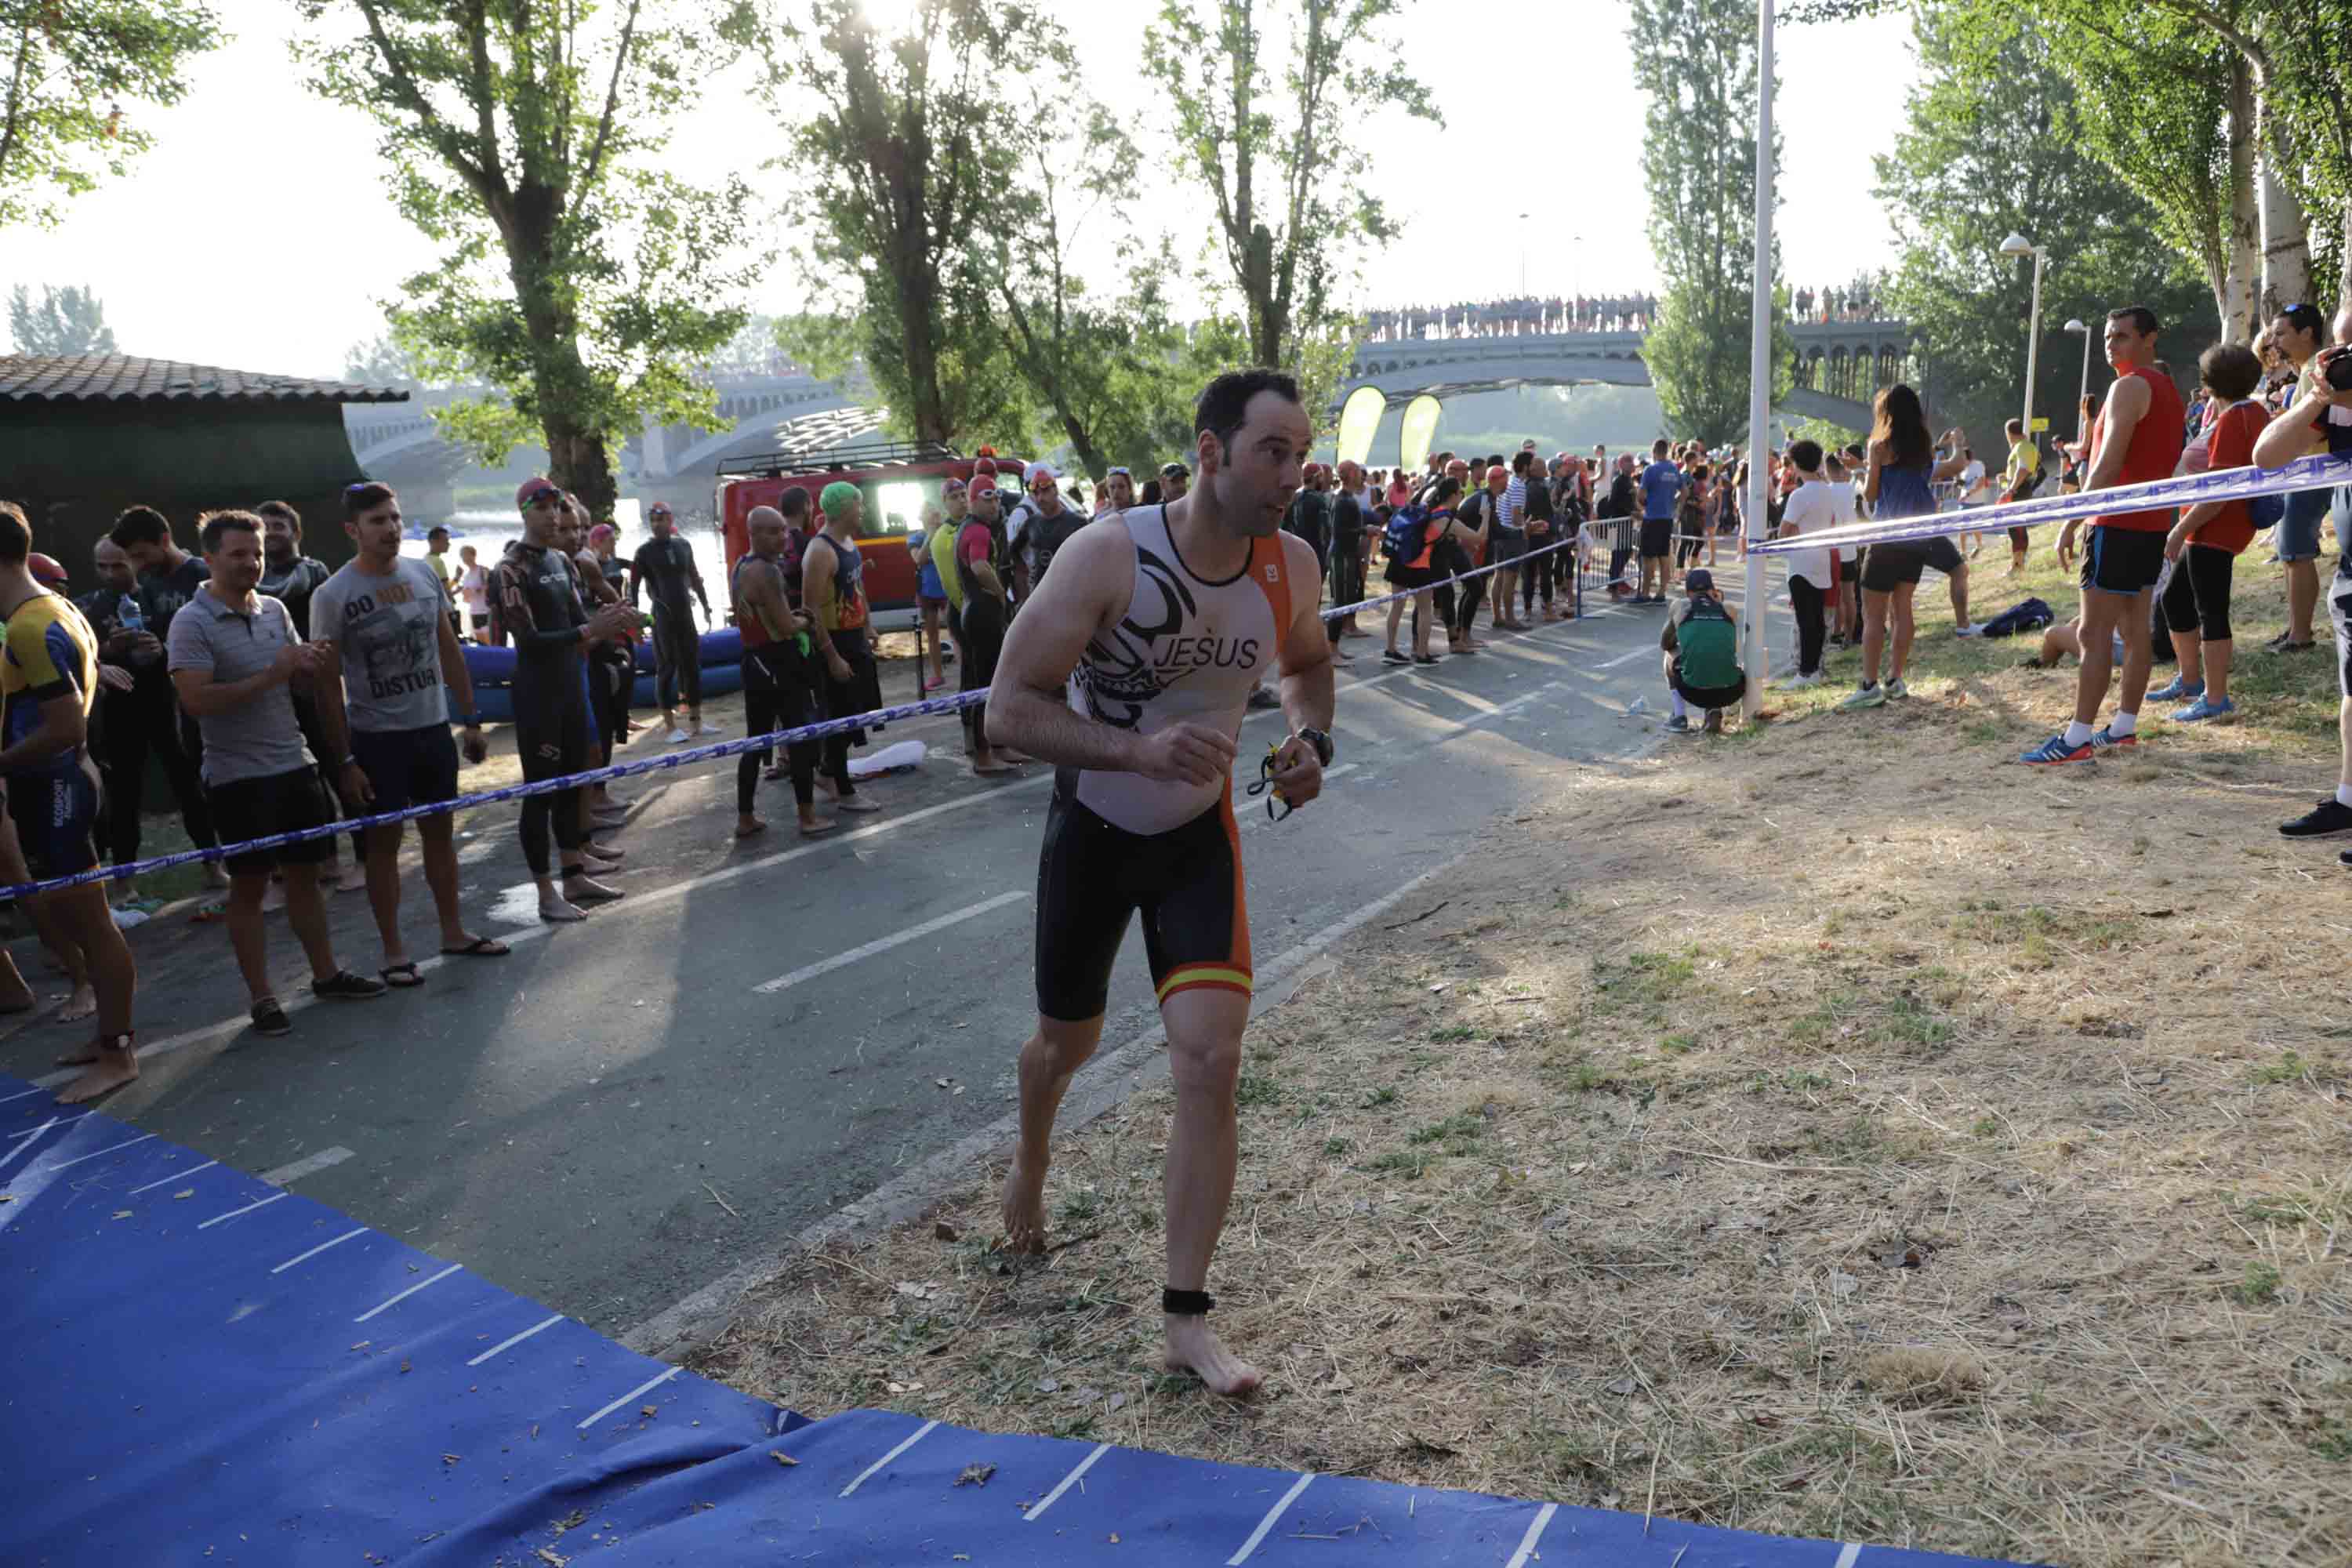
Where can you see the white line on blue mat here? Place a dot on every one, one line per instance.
(44, 1127)
(868, 1474)
(1069, 1480)
(109, 1149)
(1534, 1533)
(306, 1257)
(506, 1344)
(32, 1135)
(21, 1093)
(641, 1390)
(1238, 1558)
(405, 1295)
(248, 1209)
(1847, 1558)
(174, 1176)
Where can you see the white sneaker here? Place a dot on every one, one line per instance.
(1790, 683)
(678, 738)
(1968, 631)
(705, 727)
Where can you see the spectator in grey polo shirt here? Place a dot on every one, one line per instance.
(232, 655)
(382, 615)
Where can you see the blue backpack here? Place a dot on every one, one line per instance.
(2268, 511)
(1407, 527)
(2029, 616)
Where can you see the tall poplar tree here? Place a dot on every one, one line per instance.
(1696, 61)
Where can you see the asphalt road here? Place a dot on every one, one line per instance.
(624, 1109)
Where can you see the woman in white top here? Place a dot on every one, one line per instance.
(473, 589)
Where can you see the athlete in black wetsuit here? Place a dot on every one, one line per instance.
(538, 603)
(664, 566)
(778, 672)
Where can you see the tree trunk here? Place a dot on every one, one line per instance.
(577, 461)
(2242, 248)
(2286, 236)
(2344, 264)
(918, 303)
(577, 457)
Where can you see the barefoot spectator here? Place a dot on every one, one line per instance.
(234, 655)
(393, 649)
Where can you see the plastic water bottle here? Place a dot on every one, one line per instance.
(133, 618)
(1639, 705)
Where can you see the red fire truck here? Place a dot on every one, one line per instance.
(896, 479)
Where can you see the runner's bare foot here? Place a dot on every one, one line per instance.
(1024, 1208)
(354, 879)
(216, 877)
(1193, 1348)
(274, 899)
(855, 803)
(813, 827)
(113, 1068)
(79, 1006)
(79, 1056)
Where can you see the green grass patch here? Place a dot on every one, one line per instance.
(1453, 1035)
(1256, 1091)
(2259, 1287)
(2289, 1068)
(1463, 1127)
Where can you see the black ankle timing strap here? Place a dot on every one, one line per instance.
(1186, 1303)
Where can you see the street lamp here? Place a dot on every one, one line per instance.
(2082, 396)
(2018, 245)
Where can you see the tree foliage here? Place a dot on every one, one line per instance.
(67, 320)
(579, 279)
(1696, 60)
(913, 135)
(66, 67)
(1288, 180)
(1993, 145)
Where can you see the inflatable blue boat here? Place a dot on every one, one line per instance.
(493, 672)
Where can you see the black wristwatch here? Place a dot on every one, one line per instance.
(1324, 750)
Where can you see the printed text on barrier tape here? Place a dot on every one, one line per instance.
(2227, 484)
(670, 760)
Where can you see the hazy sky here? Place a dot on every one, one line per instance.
(259, 233)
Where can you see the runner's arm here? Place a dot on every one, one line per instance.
(2289, 436)
(456, 677)
(1308, 683)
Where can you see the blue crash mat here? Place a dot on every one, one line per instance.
(210, 1370)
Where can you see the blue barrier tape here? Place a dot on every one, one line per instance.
(2190, 489)
(666, 762)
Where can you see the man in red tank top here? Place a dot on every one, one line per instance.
(2137, 438)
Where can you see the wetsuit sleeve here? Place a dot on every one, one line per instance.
(522, 624)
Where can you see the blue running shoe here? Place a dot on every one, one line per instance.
(2054, 752)
(2178, 691)
(2104, 739)
(2204, 708)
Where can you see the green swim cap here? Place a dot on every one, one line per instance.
(838, 497)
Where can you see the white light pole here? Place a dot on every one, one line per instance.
(2077, 326)
(2018, 245)
(1759, 365)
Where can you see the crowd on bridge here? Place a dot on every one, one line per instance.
(1523, 317)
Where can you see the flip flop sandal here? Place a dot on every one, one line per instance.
(480, 947)
(743, 833)
(402, 977)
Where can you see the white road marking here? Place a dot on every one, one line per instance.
(109, 1149)
(177, 1175)
(1534, 1533)
(1238, 1558)
(1624, 659)
(640, 1391)
(248, 1209)
(308, 1164)
(508, 1344)
(1068, 1481)
(868, 1473)
(884, 944)
(306, 1257)
(405, 1295)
